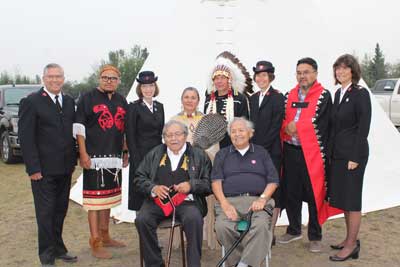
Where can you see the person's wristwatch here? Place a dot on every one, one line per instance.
(263, 196)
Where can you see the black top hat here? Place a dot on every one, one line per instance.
(264, 66)
(146, 77)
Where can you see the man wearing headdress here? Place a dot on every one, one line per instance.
(100, 129)
(226, 93)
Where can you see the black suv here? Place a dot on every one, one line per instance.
(10, 95)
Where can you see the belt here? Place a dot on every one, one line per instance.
(243, 195)
(293, 146)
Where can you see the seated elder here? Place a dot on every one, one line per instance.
(243, 179)
(179, 166)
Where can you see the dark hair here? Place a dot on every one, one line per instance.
(139, 90)
(350, 62)
(309, 61)
(190, 88)
(271, 76)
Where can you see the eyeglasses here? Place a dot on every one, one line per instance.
(176, 134)
(54, 77)
(109, 78)
(304, 73)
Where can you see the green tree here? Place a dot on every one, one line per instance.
(5, 78)
(374, 68)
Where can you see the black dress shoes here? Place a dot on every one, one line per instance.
(354, 255)
(337, 247)
(67, 258)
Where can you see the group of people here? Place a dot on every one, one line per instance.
(278, 151)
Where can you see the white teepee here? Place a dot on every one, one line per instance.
(190, 35)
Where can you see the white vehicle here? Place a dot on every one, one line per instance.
(387, 93)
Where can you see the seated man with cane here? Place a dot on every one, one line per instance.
(169, 172)
(243, 179)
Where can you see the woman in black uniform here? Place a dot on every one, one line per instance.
(267, 108)
(145, 121)
(350, 120)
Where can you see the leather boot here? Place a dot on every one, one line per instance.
(98, 250)
(108, 241)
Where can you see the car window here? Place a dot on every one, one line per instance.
(384, 86)
(12, 96)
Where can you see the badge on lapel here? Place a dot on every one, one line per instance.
(253, 161)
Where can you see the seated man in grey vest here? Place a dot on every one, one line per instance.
(185, 169)
(243, 179)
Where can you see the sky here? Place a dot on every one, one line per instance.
(78, 34)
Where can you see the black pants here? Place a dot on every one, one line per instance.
(51, 196)
(299, 189)
(147, 221)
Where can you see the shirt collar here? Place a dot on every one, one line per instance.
(343, 90)
(250, 148)
(266, 91)
(180, 153)
(53, 96)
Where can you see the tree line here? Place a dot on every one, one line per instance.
(131, 61)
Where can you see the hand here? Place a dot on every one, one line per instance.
(84, 160)
(291, 129)
(229, 211)
(352, 165)
(258, 204)
(125, 160)
(161, 191)
(183, 187)
(36, 176)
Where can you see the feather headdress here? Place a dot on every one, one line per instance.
(229, 65)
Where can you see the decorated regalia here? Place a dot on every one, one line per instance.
(102, 122)
(234, 103)
(312, 133)
(190, 120)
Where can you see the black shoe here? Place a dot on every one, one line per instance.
(337, 247)
(354, 255)
(67, 258)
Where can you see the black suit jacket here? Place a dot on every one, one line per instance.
(143, 129)
(350, 122)
(267, 119)
(45, 134)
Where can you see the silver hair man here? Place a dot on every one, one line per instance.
(249, 124)
(173, 122)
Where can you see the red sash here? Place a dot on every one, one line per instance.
(310, 146)
(168, 207)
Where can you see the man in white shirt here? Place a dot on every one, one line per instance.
(179, 167)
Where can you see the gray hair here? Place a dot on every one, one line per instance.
(249, 124)
(52, 66)
(175, 122)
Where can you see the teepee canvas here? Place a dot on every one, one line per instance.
(190, 35)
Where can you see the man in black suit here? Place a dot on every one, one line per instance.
(48, 149)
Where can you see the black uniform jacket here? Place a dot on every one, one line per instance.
(45, 134)
(350, 122)
(267, 119)
(199, 169)
(143, 132)
(143, 129)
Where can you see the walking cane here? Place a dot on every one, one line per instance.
(171, 233)
(268, 209)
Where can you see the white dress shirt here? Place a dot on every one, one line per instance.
(343, 91)
(53, 96)
(262, 94)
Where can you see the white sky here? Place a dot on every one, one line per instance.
(78, 33)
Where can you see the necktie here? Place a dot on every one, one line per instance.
(58, 104)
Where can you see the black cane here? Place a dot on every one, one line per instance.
(237, 242)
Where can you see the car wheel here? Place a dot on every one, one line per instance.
(6, 150)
